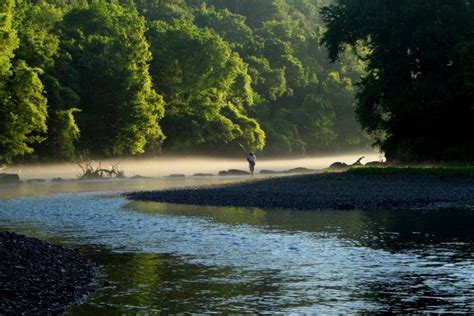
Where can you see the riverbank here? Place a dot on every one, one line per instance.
(338, 191)
(39, 278)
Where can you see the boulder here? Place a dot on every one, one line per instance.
(300, 170)
(139, 177)
(35, 180)
(338, 165)
(234, 172)
(9, 178)
(177, 176)
(58, 179)
(203, 175)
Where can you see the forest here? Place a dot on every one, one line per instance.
(106, 78)
(109, 78)
(417, 95)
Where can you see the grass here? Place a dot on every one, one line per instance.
(448, 171)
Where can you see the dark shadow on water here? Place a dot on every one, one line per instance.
(132, 283)
(388, 230)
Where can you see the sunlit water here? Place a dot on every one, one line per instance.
(171, 258)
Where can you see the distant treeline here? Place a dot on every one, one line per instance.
(116, 78)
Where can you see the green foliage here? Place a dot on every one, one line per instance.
(418, 88)
(113, 77)
(8, 37)
(164, 10)
(22, 103)
(22, 112)
(466, 50)
(38, 44)
(64, 133)
(120, 109)
(231, 27)
(286, 62)
(206, 88)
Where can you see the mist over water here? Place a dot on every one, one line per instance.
(158, 167)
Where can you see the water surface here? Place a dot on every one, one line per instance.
(171, 258)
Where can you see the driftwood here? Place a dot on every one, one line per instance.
(344, 166)
(91, 173)
(358, 162)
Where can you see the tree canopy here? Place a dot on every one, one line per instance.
(22, 102)
(417, 95)
(120, 77)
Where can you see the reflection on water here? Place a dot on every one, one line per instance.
(47, 188)
(169, 258)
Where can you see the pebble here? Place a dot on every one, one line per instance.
(336, 191)
(39, 278)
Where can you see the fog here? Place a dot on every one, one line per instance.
(158, 167)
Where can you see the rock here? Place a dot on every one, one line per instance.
(139, 177)
(338, 165)
(177, 176)
(234, 172)
(9, 178)
(327, 191)
(300, 170)
(35, 180)
(203, 175)
(58, 179)
(375, 164)
(37, 278)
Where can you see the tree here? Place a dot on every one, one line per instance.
(244, 71)
(40, 47)
(22, 112)
(164, 10)
(302, 107)
(120, 110)
(8, 36)
(206, 88)
(22, 103)
(415, 91)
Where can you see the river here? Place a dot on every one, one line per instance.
(173, 258)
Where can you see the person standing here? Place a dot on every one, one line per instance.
(251, 158)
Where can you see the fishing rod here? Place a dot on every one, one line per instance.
(243, 147)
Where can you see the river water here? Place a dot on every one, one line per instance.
(172, 258)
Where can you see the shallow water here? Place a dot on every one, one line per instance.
(171, 258)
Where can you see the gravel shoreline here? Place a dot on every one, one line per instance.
(337, 191)
(39, 278)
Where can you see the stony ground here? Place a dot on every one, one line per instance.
(39, 278)
(329, 191)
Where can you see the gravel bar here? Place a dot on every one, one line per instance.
(337, 191)
(37, 278)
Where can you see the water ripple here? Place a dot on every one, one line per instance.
(301, 271)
